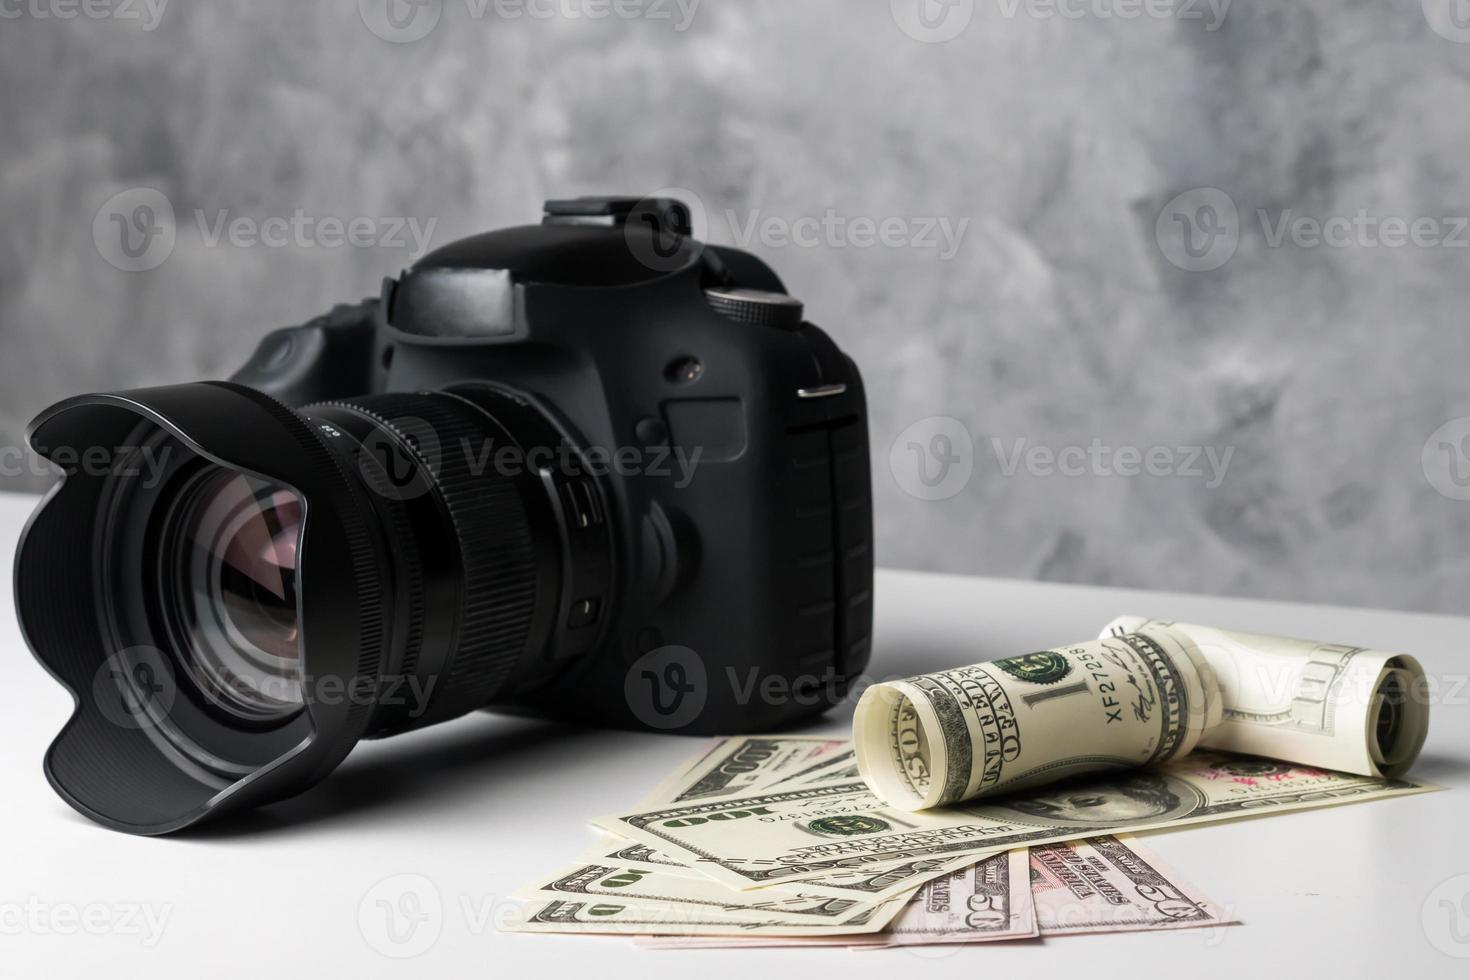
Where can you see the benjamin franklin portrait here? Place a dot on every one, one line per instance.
(1141, 797)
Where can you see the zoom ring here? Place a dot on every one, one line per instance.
(455, 444)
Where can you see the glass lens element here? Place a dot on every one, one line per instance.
(231, 562)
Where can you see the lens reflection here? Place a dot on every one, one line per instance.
(232, 566)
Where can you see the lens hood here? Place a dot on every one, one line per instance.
(115, 760)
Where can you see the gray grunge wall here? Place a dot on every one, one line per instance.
(1166, 295)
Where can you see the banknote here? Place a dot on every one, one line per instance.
(837, 763)
(629, 887)
(988, 901)
(840, 769)
(630, 918)
(775, 763)
(869, 883)
(874, 882)
(622, 884)
(1113, 884)
(1099, 885)
(984, 902)
(617, 850)
(780, 836)
(724, 766)
(1011, 725)
(741, 763)
(1319, 704)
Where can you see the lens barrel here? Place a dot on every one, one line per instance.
(471, 487)
(265, 587)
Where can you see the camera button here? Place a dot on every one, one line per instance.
(757, 307)
(822, 391)
(581, 503)
(584, 613)
(651, 432)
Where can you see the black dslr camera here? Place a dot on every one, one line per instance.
(591, 469)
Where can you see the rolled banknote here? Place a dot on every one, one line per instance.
(1316, 704)
(1007, 725)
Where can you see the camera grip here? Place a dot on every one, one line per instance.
(326, 358)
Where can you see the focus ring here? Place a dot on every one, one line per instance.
(454, 444)
(408, 588)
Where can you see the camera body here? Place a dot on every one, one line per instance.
(591, 469)
(713, 479)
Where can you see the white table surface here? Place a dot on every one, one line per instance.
(479, 806)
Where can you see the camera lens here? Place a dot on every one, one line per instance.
(267, 586)
(474, 546)
(230, 575)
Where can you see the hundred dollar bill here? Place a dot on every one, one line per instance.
(1114, 884)
(868, 883)
(1010, 725)
(693, 781)
(1319, 704)
(725, 766)
(842, 769)
(778, 837)
(984, 902)
(618, 850)
(630, 918)
(898, 879)
(836, 763)
(744, 762)
(620, 883)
